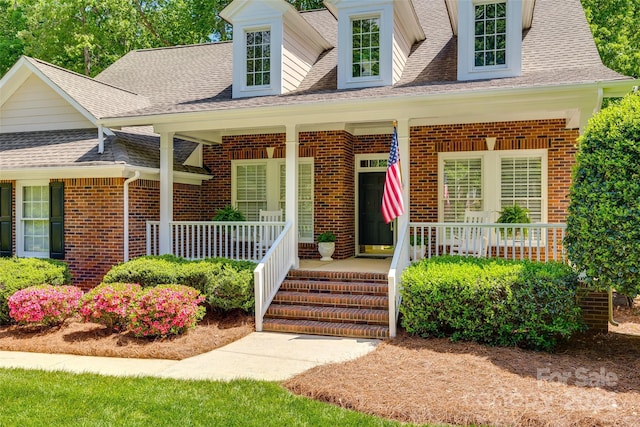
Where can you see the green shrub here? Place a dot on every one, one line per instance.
(491, 301)
(231, 289)
(206, 276)
(603, 225)
(21, 273)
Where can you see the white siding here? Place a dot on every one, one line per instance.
(297, 59)
(401, 50)
(36, 107)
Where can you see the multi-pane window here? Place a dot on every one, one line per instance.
(365, 54)
(251, 192)
(490, 45)
(305, 198)
(35, 220)
(462, 188)
(521, 184)
(258, 45)
(490, 181)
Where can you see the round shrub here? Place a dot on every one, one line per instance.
(108, 304)
(231, 289)
(603, 225)
(165, 310)
(44, 304)
(147, 271)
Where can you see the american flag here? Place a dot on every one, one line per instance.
(392, 203)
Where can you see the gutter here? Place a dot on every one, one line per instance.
(135, 177)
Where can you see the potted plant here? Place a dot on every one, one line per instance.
(416, 247)
(514, 215)
(326, 245)
(228, 213)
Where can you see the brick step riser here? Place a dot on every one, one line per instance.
(365, 317)
(335, 288)
(322, 276)
(323, 328)
(311, 299)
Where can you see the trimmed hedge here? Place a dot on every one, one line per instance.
(492, 301)
(21, 273)
(226, 284)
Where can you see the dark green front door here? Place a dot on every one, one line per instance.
(374, 233)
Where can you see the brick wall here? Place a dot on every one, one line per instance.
(595, 311)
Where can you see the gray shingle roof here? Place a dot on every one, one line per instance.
(67, 148)
(557, 50)
(98, 98)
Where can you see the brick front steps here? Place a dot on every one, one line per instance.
(342, 304)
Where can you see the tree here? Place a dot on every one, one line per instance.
(603, 225)
(614, 24)
(12, 22)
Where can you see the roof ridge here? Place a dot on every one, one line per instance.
(79, 75)
(181, 46)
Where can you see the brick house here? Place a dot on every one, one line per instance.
(297, 114)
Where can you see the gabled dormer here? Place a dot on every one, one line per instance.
(489, 36)
(274, 47)
(374, 40)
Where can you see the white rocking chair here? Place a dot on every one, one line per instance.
(267, 234)
(472, 241)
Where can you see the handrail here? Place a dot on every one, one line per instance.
(270, 273)
(399, 262)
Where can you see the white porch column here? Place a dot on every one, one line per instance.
(291, 165)
(403, 146)
(166, 191)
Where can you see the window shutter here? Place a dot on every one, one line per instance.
(56, 220)
(6, 211)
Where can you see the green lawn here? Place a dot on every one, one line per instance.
(36, 398)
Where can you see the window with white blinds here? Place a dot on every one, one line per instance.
(251, 192)
(305, 199)
(491, 180)
(521, 184)
(462, 188)
(251, 189)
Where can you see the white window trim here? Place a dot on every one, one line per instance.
(20, 251)
(491, 161)
(384, 13)
(239, 87)
(273, 191)
(466, 44)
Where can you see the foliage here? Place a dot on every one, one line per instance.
(205, 276)
(228, 213)
(603, 224)
(65, 399)
(12, 22)
(491, 301)
(108, 304)
(44, 304)
(614, 24)
(415, 240)
(20, 273)
(165, 310)
(514, 215)
(231, 289)
(326, 237)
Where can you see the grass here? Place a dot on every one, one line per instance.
(36, 398)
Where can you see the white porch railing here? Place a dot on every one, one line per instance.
(536, 242)
(242, 240)
(399, 262)
(270, 273)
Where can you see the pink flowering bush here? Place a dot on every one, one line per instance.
(108, 304)
(165, 310)
(44, 304)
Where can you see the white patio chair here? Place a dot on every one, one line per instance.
(473, 241)
(267, 234)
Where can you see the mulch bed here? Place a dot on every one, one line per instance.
(91, 339)
(592, 381)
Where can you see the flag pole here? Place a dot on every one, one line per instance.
(395, 129)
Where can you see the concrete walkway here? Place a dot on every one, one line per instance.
(261, 355)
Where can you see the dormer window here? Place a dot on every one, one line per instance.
(489, 38)
(365, 47)
(490, 35)
(258, 54)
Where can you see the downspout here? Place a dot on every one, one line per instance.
(100, 139)
(599, 100)
(135, 176)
